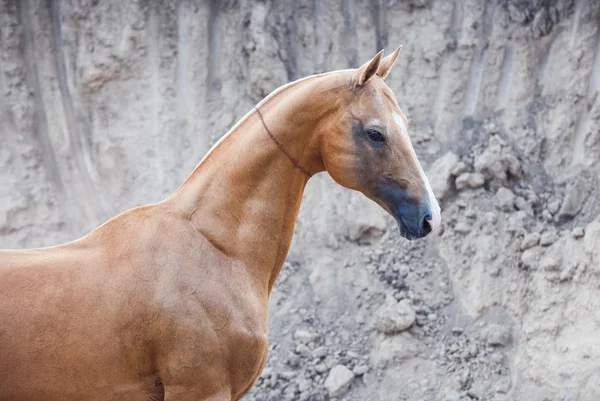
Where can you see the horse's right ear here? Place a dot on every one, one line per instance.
(368, 69)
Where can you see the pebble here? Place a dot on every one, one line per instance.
(575, 196)
(550, 263)
(530, 240)
(548, 238)
(320, 352)
(503, 386)
(459, 168)
(553, 207)
(339, 380)
(304, 351)
(522, 204)
(498, 335)
(568, 273)
(395, 317)
(320, 368)
(470, 181)
(505, 199)
(578, 232)
(360, 370)
(462, 227)
(305, 336)
(457, 330)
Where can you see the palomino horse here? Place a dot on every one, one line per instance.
(169, 301)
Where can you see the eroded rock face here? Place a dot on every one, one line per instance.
(109, 105)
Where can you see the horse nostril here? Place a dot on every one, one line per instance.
(426, 224)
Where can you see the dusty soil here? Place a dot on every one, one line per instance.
(109, 105)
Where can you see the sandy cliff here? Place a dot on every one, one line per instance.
(108, 105)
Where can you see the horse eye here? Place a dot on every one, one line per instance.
(375, 136)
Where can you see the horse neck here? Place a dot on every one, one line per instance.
(245, 195)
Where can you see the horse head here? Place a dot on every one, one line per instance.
(365, 146)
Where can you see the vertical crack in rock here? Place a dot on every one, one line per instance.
(349, 38)
(576, 20)
(449, 93)
(183, 60)
(544, 55)
(584, 123)
(319, 35)
(80, 152)
(455, 18)
(154, 126)
(292, 40)
(478, 64)
(506, 77)
(381, 25)
(40, 122)
(214, 50)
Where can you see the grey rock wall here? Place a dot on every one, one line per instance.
(109, 105)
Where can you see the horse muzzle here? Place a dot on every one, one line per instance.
(416, 218)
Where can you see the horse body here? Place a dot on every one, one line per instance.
(105, 318)
(169, 301)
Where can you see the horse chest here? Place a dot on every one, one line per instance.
(218, 336)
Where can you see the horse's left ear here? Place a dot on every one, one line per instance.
(368, 69)
(387, 63)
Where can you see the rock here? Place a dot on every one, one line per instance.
(490, 164)
(458, 169)
(395, 317)
(293, 360)
(530, 240)
(548, 238)
(452, 395)
(462, 227)
(440, 176)
(550, 262)
(320, 368)
(569, 272)
(360, 370)
(575, 197)
(522, 204)
(490, 219)
(518, 13)
(516, 222)
(553, 207)
(305, 336)
(457, 330)
(542, 23)
(505, 199)
(396, 348)
(339, 380)
(368, 223)
(531, 257)
(470, 181)
(304, 351)
(320, 352)
(503, 386)
(513, 166)
(497, 335)
(578, 232)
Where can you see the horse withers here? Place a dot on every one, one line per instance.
(169, 301)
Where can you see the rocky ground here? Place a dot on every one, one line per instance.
(513, 273)
(109, 105)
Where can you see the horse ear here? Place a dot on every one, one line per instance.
(387, 63)
(368, 69)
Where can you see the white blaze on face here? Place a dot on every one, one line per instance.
(433, 203)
